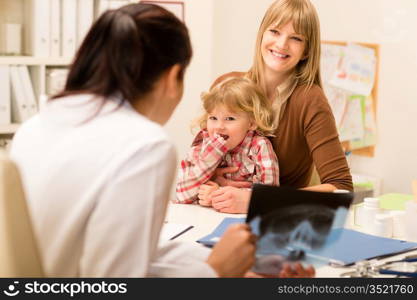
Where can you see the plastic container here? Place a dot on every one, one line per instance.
(411, 221)
(383, 225)
(398, 222)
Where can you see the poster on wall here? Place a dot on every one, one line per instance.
(349, 74)
(176, 7)
(356, 70)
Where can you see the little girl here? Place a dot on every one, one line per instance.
(234, 130)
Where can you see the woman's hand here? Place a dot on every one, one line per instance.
(204, 193)
(234, 254)
(231, 200)
(222, 181)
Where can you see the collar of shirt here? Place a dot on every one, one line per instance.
(283, 92)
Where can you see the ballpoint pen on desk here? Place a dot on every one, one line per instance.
(368, 269)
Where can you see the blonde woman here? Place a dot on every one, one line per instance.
(234, 130)
(286, 67)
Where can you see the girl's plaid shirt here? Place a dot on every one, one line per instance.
(255, 158)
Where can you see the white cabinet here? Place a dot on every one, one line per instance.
(38, 70)
(18, 20)
(42, 36)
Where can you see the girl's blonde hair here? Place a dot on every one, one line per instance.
(239, 94)
(306, 22)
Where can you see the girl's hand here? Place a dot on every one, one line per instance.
(204, 193)
(234, 254)
(231, 200)
(222, 181)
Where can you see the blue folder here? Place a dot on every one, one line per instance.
(343, 246)
(211, 239)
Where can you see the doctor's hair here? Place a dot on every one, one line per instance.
(305, 21)
(239, 94)
(127, 50)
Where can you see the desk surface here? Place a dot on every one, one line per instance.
(205, 220)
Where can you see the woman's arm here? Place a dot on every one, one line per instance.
(322, 139)
(321, 188)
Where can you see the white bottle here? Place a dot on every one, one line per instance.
(398, 224)
(411, 220)
(383, 225)
(369, 212)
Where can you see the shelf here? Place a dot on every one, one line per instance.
(9, 128)
(34, 61)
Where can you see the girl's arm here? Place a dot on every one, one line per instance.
(199, 166)
(232, 199)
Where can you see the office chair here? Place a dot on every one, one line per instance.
(19, 256)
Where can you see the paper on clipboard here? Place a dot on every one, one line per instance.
(331, 60)
(338, 102)
(370, 134)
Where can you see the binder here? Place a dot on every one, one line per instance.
(55, 80)
(103, 5)
(85, 14)
(5, 109)
(55, 25)
(37, 29)
(20, 110)
(27, 86)
(115, 4)
(69, 29)
(211, 239)
(100, 7)
(11, 38)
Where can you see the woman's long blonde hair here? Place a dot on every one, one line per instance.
(306, 22)
(239, 94)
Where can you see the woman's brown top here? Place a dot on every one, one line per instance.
(306, 137)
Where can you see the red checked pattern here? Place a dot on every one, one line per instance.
(255, 158)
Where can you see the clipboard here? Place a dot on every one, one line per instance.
(345, 247)
(211, 239)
